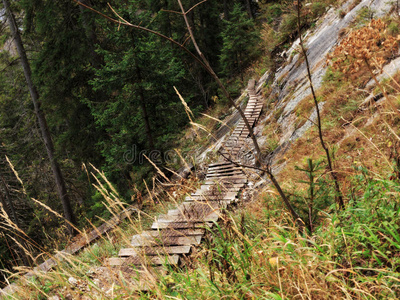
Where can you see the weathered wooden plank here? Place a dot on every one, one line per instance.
(139, 241)
(223, 187)
(213, 216)
(224, 200)
(224, 165)
(223, 168)
(234, 138)
(180, 225)
(251, 84)
(220, 164)
(216, 195)
(232, 189)
(138, 261)
(198, 199)
(151, 251)
(237, 135)
(235, 180)
(230, 165)
(152, 234)
(231, 172)
(195, 209)
(114, 261)
(224, 175)
(172, 232)
(232, 179)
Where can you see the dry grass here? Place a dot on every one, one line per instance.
(82, 276)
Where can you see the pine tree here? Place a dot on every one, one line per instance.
(141, 109)
(58, 176)
(239, 41)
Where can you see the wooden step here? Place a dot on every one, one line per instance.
(227, 174)
(227, 170)
(209, 217)
(151, 251)
(195, 209)
(180, 225)
(230, 166)
(188, 207)
(226, 200)
(172, 232)
(223, 163)
(233, 179)
(217, 195)
(208, 187)
(231, 171)
(140, 261)
(226, 187)
(140, 241)
(242, 125)
(241, 148)
(224, 166)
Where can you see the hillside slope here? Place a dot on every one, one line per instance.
(257, 251)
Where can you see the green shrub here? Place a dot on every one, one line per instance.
(317, 9)
(393, 28)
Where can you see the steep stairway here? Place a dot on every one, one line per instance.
(173, 235)
(236, 147)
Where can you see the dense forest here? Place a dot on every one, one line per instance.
(103, 95)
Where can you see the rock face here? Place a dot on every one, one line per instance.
(291, 84)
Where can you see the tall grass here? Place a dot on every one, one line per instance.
(259, 254)
(86, 274)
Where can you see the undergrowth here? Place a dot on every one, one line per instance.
(258, 253)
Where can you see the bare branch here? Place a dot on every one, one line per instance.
(171, 11)
(298, 220)
(339, 196)
(144, 29)
(194, 6)
(221, 85)
(10, 64)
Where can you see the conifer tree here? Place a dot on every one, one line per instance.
(58, 176)
(239, 40)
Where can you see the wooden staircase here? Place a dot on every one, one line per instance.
(173, 235)
(236, 145)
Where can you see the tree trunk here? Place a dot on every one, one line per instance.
(60, 183)
(248, 7)
(95, 60)
(226, 10)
